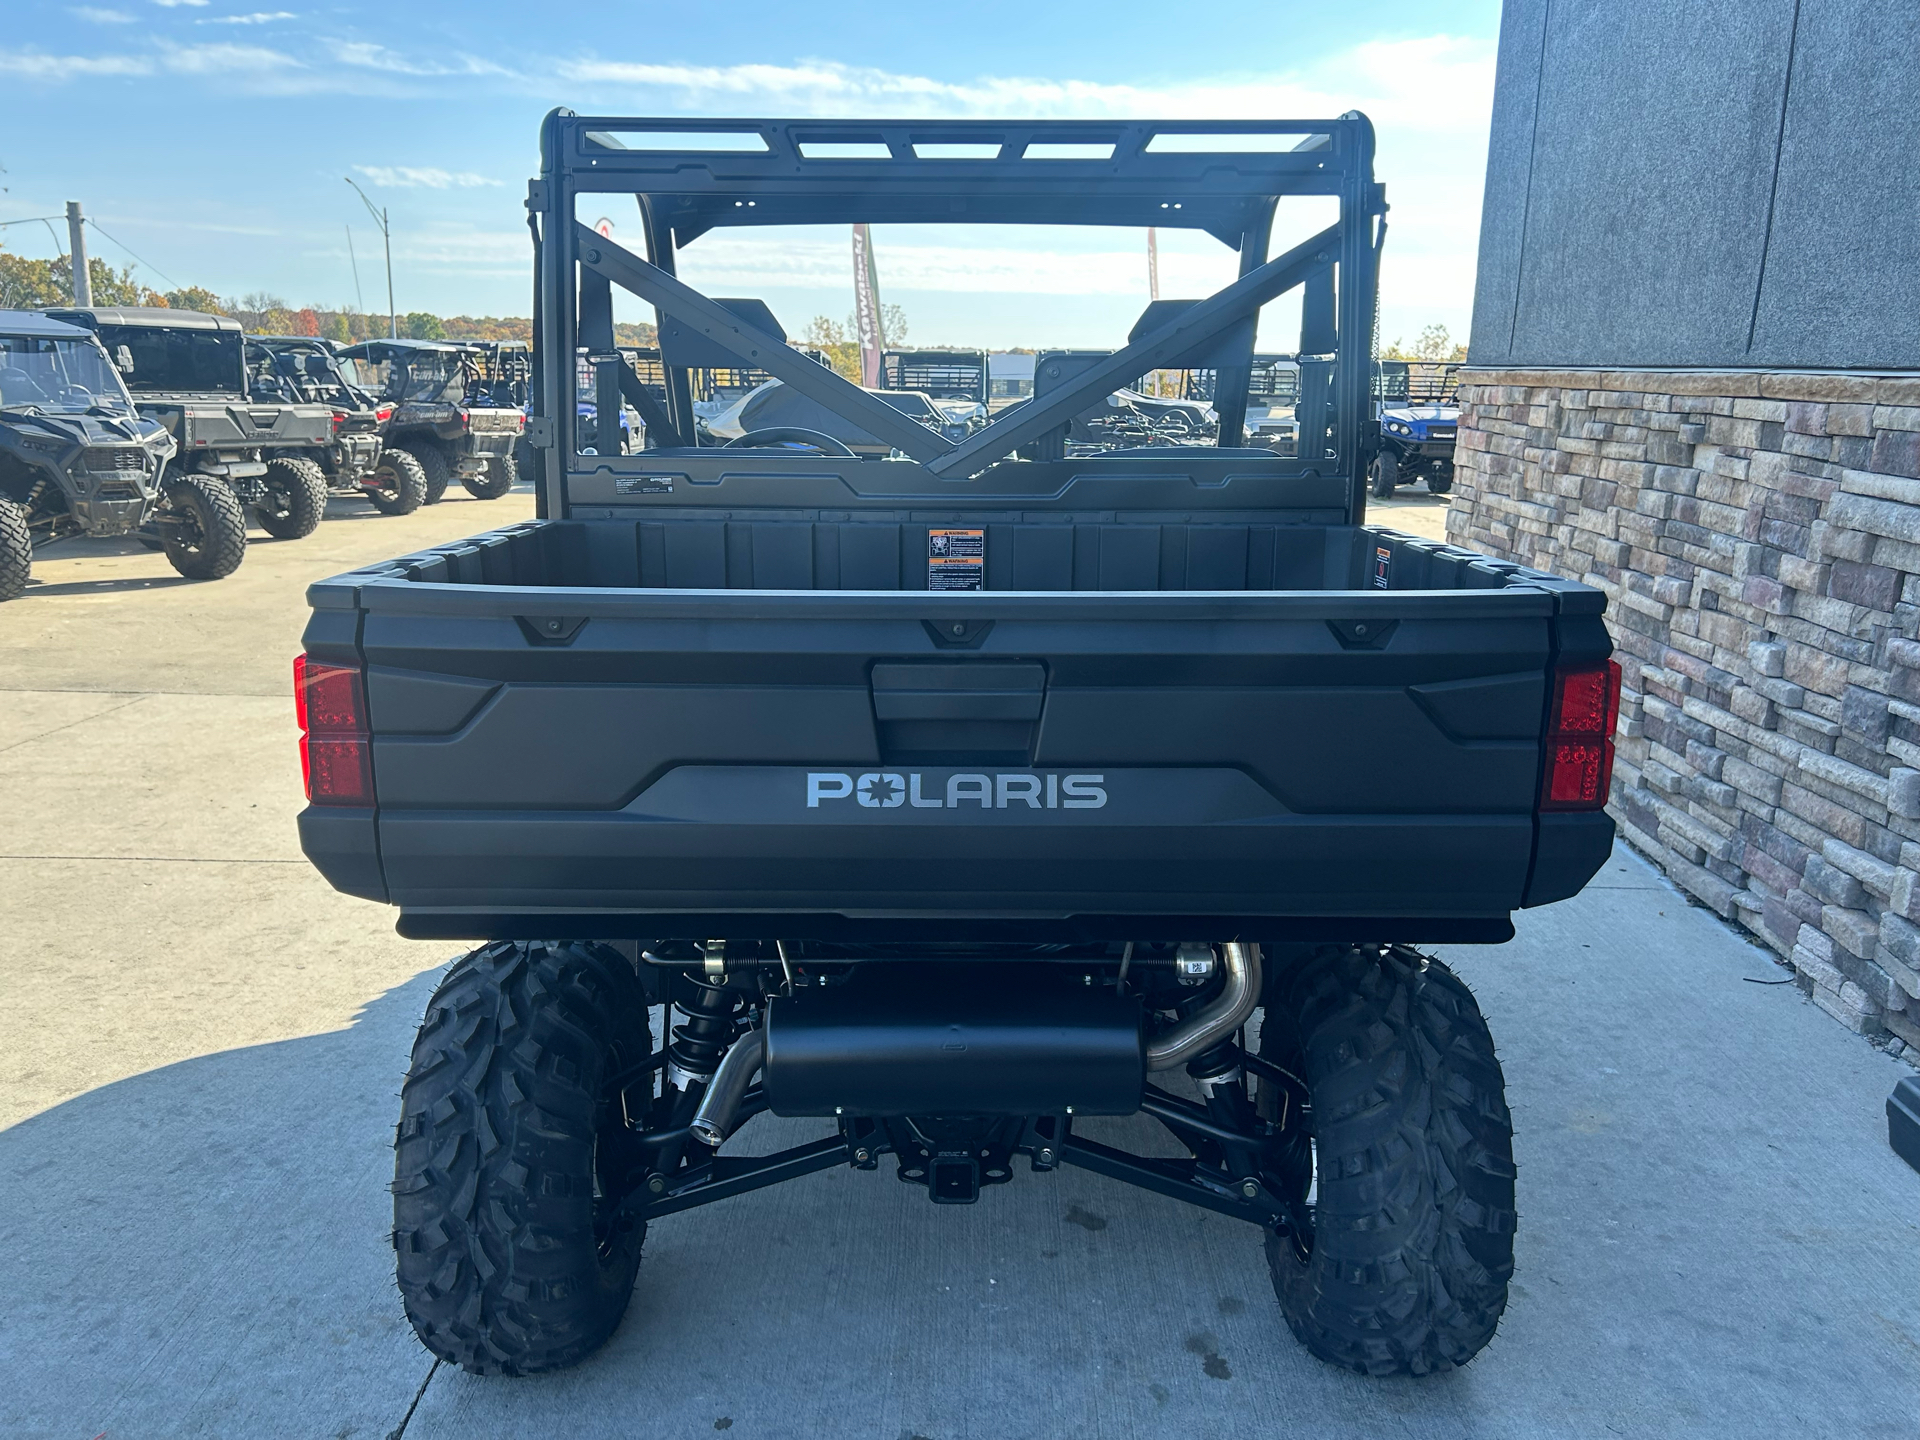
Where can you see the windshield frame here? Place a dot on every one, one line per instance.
(105, 390)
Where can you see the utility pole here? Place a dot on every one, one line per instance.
(354, 260)
(386, 236)
(77, 243)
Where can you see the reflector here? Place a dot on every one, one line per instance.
(1579, 768)
(336, 760)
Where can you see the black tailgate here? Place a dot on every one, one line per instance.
(794, 753)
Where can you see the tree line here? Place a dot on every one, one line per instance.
(39, 284)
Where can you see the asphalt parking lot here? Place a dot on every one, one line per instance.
(201, 1047)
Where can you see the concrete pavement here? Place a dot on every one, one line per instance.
(201, 1045)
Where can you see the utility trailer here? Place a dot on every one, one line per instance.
(954, 797)
(943, 374)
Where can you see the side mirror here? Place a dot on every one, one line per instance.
(123, 359)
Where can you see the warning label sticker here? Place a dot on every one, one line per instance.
(1382, 558)
(956, 559)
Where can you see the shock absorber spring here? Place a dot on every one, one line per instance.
(705, 1006)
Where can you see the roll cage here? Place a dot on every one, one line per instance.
(422, 371)
(689, 177)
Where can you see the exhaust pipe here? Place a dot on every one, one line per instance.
(1220, 1019)
(721, 1103)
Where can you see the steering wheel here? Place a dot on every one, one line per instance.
(790, 435)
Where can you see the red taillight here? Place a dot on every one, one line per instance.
(339, 419)
(383, 414)
(1586, 707)
(336, 755)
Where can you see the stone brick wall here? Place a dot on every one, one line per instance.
(1758, 537)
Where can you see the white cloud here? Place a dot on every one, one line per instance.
(176, 4)
(424, 177)
(1420, 78)
(461, 252)
(33, 65)
(258, 17)
(224, 59)
(102, 17)
(366, 55)
(792, 260)
(1430, 99)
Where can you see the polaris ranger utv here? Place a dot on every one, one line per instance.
(305, 370)
(444, 413)
(954, 798)
(189, 371)
(77, 459)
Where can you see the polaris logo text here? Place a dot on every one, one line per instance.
(891, 790)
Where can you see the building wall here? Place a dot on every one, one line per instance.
(1691, 183)
(1758, 538)
(1696, 336)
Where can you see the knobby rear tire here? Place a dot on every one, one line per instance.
(398, 486)
(296, 498)
(1412, 1246)
(16, 549)
(1384, 475)
(501, 473)
(433, 464)
(215, 541)
(507, 1259)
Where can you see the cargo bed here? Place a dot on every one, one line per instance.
(631, 727)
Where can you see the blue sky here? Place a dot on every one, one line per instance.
(212, 137)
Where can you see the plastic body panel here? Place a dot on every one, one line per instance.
(1282, 762)
(1903, 1120)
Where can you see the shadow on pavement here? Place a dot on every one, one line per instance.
(202, 1249)
(108, 587)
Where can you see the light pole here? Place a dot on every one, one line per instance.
(386, 236)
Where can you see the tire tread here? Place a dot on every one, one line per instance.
(1413, 1232)
(16, 549)
(493, 1158)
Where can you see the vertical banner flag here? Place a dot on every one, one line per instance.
(866, 307)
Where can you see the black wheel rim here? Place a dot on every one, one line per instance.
(1291, 1165)
(614, 1159)
(189, 533)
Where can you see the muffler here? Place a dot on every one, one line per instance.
(933, 1038)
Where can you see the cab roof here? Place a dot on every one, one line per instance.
(157, 317)
(33, 323)
(445, 347)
